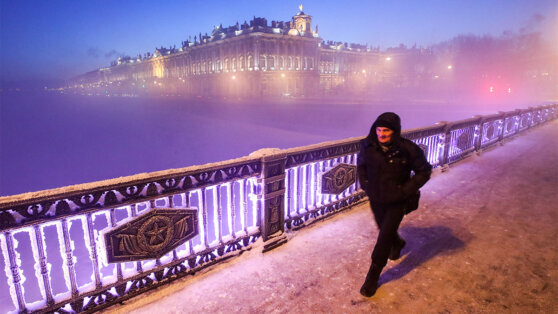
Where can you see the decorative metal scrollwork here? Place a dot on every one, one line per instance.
(324, 211)
(465, 140)
(510, 125)
(65, 204)
(490, 131)
(151, 235)
(338, 179)
(323, 153)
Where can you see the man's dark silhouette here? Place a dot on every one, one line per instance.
(385, 163)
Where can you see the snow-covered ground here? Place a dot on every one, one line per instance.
(483, 240)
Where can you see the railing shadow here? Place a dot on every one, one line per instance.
(422, 245)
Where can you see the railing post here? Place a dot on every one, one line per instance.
(446, 137)
(272, 197)
(478, 140)
(517, 121)
(502, 127)
(530, 120)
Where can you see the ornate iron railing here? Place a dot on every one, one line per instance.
(85, 247)
(308, 170)
(55, 257)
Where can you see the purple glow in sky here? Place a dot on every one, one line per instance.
(60, 39)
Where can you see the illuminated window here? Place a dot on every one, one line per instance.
(271, 62)
(250, 62)
(241, 60)
(263, 63)
(227, 65)
(297, 62)
(290, 63)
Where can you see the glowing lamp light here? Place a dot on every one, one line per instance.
(388, 58)
(363, 71)
(509, 90)
(450, 67)
(282, 74)
(234, 77)
(491, 89)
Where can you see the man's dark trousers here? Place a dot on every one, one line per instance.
(388, 217)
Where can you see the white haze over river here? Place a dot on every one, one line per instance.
(50, 140)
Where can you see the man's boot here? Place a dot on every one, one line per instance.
(395, 252)
(370, 285)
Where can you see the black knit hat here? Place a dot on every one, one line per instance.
(385, 124)
(386, 120)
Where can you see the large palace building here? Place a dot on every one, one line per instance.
(255, 59)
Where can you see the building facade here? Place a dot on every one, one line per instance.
(254, 59)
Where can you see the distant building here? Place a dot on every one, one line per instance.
(249, 60)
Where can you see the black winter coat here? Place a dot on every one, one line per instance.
(386, 176)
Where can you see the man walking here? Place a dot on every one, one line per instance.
(385, 163)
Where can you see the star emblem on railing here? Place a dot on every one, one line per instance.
(151, 235)
(338, 179)
(155, 234)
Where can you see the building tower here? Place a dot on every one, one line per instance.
(302, 22)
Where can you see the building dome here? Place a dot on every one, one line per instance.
(293, 32)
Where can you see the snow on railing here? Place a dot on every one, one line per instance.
(56, 244)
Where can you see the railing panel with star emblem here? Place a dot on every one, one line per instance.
(491, 130)
(305, 198)
(463, 136)
(216, 208)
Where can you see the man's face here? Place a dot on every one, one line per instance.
(384, 135)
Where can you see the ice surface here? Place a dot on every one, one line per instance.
(114, 138)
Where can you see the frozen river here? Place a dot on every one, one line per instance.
(50, 140)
